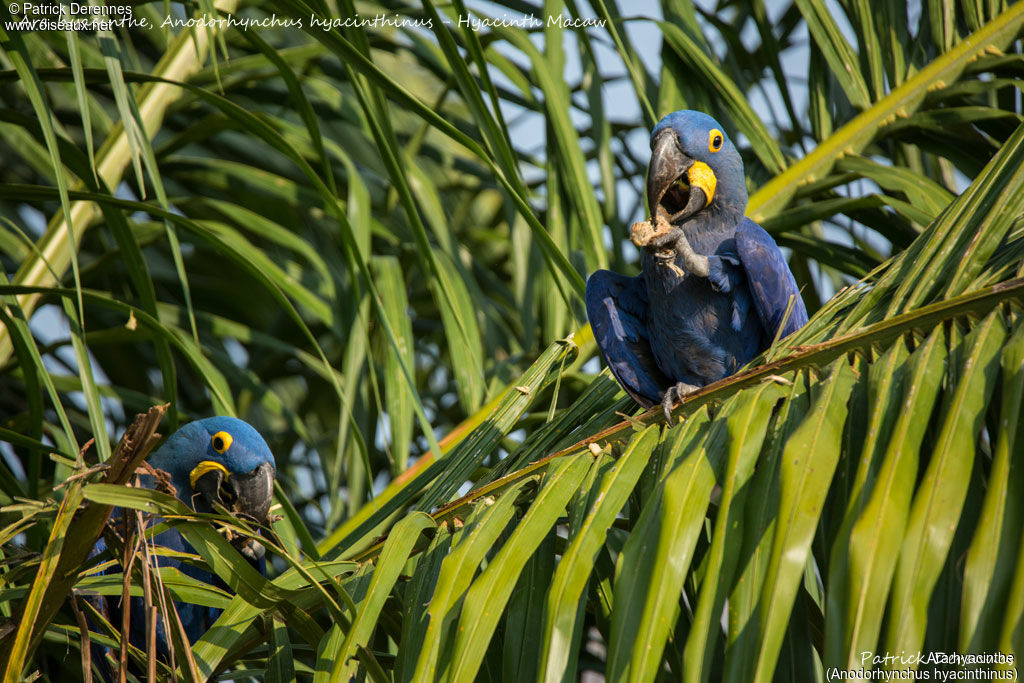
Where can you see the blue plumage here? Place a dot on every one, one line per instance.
(215, 460)
(714, 286)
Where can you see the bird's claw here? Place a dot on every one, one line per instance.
(672, 394)
(666, 240)
(670, 244)
(717, 273)
(252, 550)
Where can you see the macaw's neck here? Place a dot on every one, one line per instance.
(726, 209)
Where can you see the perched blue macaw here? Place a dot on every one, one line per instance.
(217, 459)
(714, 287)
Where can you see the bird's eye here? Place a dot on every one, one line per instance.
(715, 140)
(221, 441)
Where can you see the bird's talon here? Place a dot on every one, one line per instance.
(666, 405)
(665, 240)
(673, 394)
(252, 550)
(720, 284)
(717, 273)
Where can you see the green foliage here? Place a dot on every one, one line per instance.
(371, 243)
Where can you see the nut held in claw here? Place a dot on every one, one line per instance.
(642, 233)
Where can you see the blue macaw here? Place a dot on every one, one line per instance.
(714, 287)
(215, 460)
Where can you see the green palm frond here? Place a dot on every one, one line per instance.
(371, 242)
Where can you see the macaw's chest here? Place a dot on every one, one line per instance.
(693, 329)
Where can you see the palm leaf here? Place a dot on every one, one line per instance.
(371, 240)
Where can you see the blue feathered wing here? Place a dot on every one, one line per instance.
(770, 281)
(617, 309)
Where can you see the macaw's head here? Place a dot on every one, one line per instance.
(694, 166)
(220, 460)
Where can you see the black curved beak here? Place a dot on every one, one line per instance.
(668, 191)
(245, 495)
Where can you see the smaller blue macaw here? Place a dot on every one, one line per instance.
(217, 460)
(714, 289)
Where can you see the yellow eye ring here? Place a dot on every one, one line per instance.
(221, 441)
(715, 140)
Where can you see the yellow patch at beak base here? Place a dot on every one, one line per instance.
(700, 175)
(204, 467)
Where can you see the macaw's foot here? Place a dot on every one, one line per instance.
(674, 244)
(251, 550)
(673, 394)
(720, 269)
